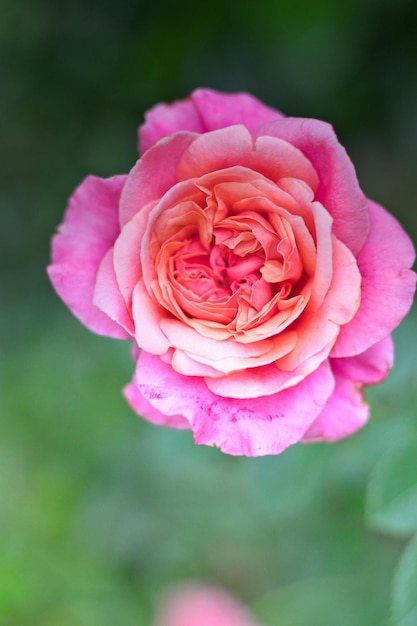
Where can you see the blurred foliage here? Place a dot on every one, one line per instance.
(392, 492)
(404, 605)
(100, 510)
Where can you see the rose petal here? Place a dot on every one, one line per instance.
(321, 328)
(344, 413)
(225, 356)
(234, 146)
(126, 253)
(204, 111)
(88, 231)
(143, 408)
(148, 316)
(107, 296)
(370, 367)
(251, 427)
(254, 383)
(387, 285)
(218, 110)
(339, 191)
(166, 119)
(153, 174)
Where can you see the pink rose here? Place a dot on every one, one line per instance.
(258, 283)
(192, 604)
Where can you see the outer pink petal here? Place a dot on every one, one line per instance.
(166, 119)
(343, 414)
(192, 604)
(370, 367)
(88, 231)
(387, 285)
(339, 190)
(205, 110)
(107, 296)
(154, 173)
(252, 427)
(218, 110)
(143, 408)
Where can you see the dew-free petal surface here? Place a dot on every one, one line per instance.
(344, 413)
(387, 285)
(339, 190)
(89, 230)
(250, 427)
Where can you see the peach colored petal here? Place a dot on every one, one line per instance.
(264, 380)
(88, 231)
(183, 337)
(187, 366)
(148, 317)
(339, 190)
(230, 364)
(321, 328)
(226, 356)
(126, 254)
(323, 258)
(216, 150)
(160, 222)
(234, 146)
(388, 285)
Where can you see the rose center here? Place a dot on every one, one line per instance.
(215, 273)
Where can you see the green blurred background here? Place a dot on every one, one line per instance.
(99, 511)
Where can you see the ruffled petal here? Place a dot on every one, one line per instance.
(89, 230)
(148, 317)
(387, 285)
(225, 356)
(204, 111)
(143, 408)
(254, 383)
(107, 296)
(218, 110)
(321, 328)
(234, 146)
(153, 174)
(165, 119)
(339, 190)
(250, 427)
(370, 367)
(343, 415)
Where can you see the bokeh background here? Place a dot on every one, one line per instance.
(99, 511)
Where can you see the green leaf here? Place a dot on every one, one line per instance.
(404, 589)
(341, 600)
(392, 493)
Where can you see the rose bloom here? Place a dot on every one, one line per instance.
(194, 604)
(257, 282)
